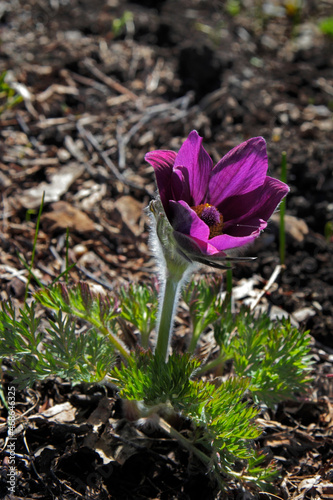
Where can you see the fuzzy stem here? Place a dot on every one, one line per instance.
(195, 337)
(174, 266)
(283, 211)
(168, 302)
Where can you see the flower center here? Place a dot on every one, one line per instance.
(212, 217)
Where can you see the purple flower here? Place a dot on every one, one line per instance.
(216, 208)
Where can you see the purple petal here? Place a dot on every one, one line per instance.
(194, 247)
(198, 164)
(243, 214)
(273, 191)
(240, 171)
(226, 242)
(245, 227)
(177, 183)
(180, 187)
(162, 161)
(183, 219)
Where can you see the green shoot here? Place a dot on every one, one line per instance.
(293, 10)
(67, 256)
(29, 213)
(326, 26)
(328, 231)
(282, 209)
(8, 95)
(34, 246)
(233, 7)
(64, 273)
(30, 274)
(214, 33)
(29, 267)
(122, 23)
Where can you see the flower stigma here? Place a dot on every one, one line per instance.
(210, 216)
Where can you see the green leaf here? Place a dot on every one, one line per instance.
(54, 349)
(138, 306)
(223, 423)
(79, 300)
(273, 354)
(205, 303)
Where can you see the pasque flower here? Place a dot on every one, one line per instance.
(212, 209)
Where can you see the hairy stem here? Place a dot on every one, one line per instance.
(195, 337)
(168, 301)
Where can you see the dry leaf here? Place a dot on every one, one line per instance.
(63, 216)
(59, 183)
(130, 211)
(61, 413)
(295, 228)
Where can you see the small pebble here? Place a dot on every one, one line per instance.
(80, 250)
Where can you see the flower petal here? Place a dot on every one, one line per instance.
(237, 186)
(245, 227)
(185, 220)
(162, 161)
(198, 164)
(245, 213)
(272, 193)
(194, 248)
(179, 185)
(226, 241)
(240, 171)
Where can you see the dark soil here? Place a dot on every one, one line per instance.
(96, 100)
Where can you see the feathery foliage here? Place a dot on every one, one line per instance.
(41, 348)
(81, 341)
(139, 307)
(273, 354)
(223, 425)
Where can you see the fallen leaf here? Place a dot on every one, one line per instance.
(59, 183)
(102, 412)
(61, 413)
(131, 212)
(63, 216)
(295, 228)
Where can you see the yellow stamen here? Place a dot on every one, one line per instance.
(214, 229)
